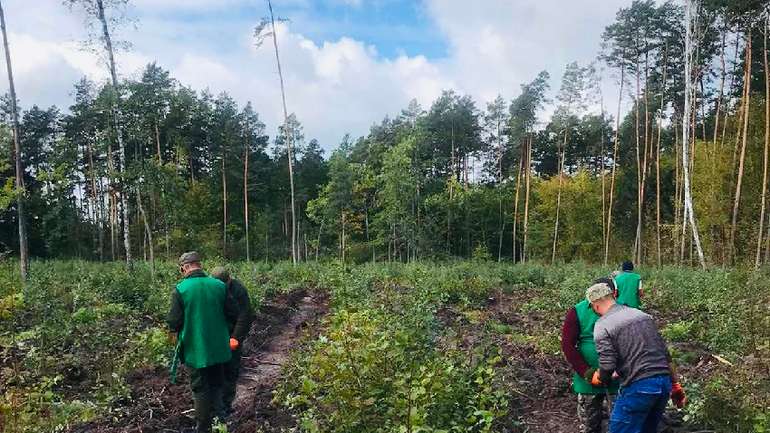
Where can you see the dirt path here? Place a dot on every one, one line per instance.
(264, 357)
(157, 406)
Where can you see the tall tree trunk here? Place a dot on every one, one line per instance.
(116, 113)
(758, 261)
(289, 140)
(519, 177)
(558, 195)
(147, 231)
(691, 8)
(528, 174)
(647, 158)
(657, 153)
(224, 202)
(500, 198)
(741, 160)
(602, 169)
(639, 185)
(21, 192)
(614, 168)
(157, 143)
(677, 193)
(246, 198)
(94, 197)
(342, 237)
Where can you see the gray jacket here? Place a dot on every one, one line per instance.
(628, 342)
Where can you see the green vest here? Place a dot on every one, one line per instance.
(628, 289)
(586, 320)
(204, 336)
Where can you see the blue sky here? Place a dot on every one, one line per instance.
(347, 63)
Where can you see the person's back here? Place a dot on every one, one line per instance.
(632, 336)
(628, 285)
(204, 335)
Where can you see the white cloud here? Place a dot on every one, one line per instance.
(334, 86)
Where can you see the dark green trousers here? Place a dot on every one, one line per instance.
(232, 371)
(207, 385)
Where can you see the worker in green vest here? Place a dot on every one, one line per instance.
(239, 330)
(199, 314)
(629, 286)
(577, 343)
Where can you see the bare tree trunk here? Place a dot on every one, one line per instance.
(639, 185)
(758, 260)
(691, 10)
(157, 143)
(147, 232)
(647, 158)
(558, 195)
(118, 130)
(342, 237)
(515, 207)
(500, 197)
(94, 197)
(614, 168)
(657, 153)
(21, 192)
(246, 198)
(739, 182)
(224, 202)
(528, 174)
(677, 193)
(289, 141)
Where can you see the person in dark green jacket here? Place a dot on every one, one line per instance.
(239, 330)
(629, 286)
(199, 314)
(578, 346)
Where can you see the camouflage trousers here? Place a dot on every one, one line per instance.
(593, 410)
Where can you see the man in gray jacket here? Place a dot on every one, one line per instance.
(629, 345)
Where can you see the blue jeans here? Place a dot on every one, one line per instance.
(640, 405)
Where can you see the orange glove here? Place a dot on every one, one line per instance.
(678, 396)
(596, 379)
(234, 344)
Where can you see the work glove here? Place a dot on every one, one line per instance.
(234, 344)
(678, 397)
(596, 379)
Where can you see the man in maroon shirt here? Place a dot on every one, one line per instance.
(577, 343)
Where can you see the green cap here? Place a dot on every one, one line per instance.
(221, 274)
(189, 257)
(598, 291)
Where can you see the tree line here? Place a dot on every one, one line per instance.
(149, 167)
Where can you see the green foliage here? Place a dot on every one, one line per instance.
(377, 369)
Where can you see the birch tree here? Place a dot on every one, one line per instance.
(260, 33)
(95, 9)
(19, 170)
(690, 17)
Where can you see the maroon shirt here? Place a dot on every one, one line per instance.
(570, 334)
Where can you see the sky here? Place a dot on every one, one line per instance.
(347, 63)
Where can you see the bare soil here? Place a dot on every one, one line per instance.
(537, 382)
(157, 406)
